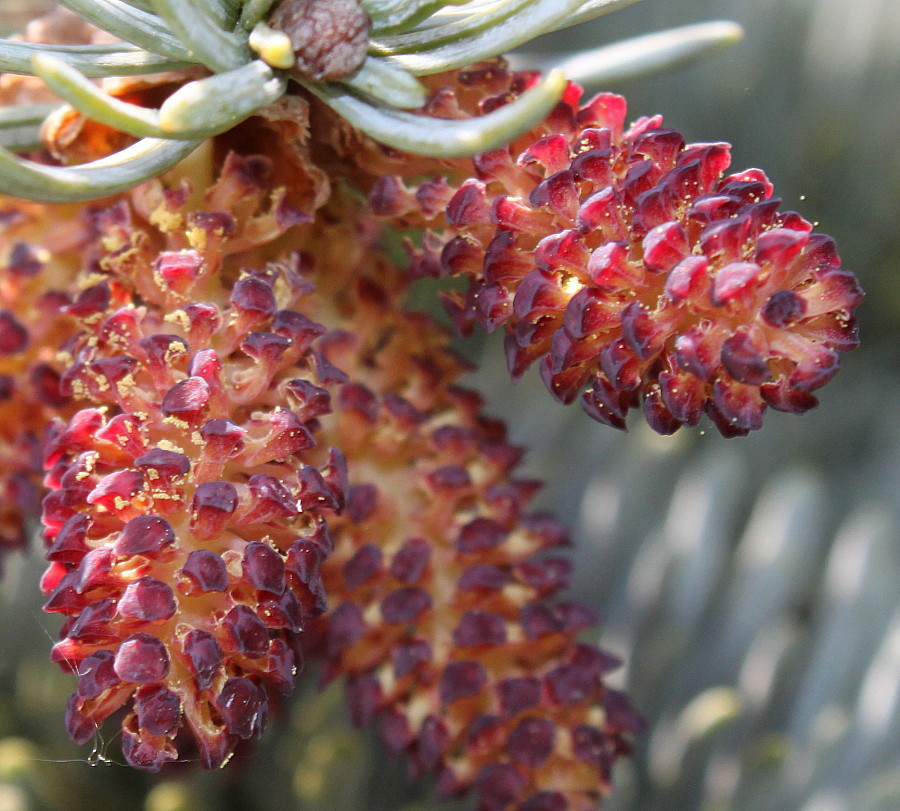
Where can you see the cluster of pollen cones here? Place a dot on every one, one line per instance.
(252, 451)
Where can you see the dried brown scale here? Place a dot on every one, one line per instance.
(71, 137)
(187, 510)
(68, 135)
(330, 37)
(58, 26)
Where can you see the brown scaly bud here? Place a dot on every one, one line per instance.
(634, 268)
(330, 37)
(187, 508)
(39, 259)
(442, 585)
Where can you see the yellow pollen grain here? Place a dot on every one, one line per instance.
(161, 495)
(518, 594)
(176, 423)
(282, 290)
(126, 385)
(520, 543)
(418, 709)
(372, 614)
(166, 221)
(596, 717)
(179, 317)
(480, 473)
(168, 445)
(120, 342)
(515, 634)
(112, 243)
(113, 262)
(173, 350)
(79, 389)
(386, 679)
(233, 562)
(197, 237)
(562, 745)
(43, 255)
(159, 281)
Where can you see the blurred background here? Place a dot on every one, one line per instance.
(751, 585)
